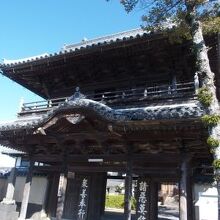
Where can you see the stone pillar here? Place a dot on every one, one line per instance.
(8, 206)
(184, 186)
(128, 192)
(44, 205)
(61, 195)
(26, 192)
(9, 198)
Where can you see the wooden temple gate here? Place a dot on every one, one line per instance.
(81, 149)
(138, 115)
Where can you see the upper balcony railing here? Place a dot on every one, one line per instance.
(121, 97)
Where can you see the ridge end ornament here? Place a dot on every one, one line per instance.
(76, 95)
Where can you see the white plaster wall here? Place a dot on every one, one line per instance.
(206, 202)
(38, 189)
(6, 161)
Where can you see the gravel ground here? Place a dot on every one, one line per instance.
(165, 213)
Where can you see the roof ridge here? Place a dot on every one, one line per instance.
(128, 33)
(107, 39)
(25, 59)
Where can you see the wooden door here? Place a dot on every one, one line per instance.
(72, 197)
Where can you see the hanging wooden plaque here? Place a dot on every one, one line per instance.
(83, 199)
(143, 200)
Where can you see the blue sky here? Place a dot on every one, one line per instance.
(32, 27)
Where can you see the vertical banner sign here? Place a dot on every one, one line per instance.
(60, 187)
(143, 203)
(83, 200)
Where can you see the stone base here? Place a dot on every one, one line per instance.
(8, 201)
(8, 212)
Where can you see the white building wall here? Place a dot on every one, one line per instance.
(206, 202)
(38, 189)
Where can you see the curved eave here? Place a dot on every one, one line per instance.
(86, 46)
(90, 108)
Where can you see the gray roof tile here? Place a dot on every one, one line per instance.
(158, 112)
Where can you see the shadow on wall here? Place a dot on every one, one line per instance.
(34, 211)
(3, 187)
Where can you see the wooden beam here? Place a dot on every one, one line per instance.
(160, 157)
(61, 195)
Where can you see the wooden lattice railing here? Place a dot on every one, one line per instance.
(121, 97)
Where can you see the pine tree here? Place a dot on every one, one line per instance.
(191, 19)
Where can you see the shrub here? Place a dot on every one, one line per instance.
(212, 142)
(205, 96)
(117, 201)
(211, 120)
(216, 164)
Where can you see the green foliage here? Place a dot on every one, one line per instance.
(211, 120)
(129, 4)
(114, 201)
(212, 142)
(117, 201)
(205, 96)
(175, 15)
(216, 164)
(178, 34)
(211, 25)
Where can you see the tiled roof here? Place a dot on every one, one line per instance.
(105, 40)
(8, 62)
(21, 123)
(85, 44)
(6, 150)
(158, 112)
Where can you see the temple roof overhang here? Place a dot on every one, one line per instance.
(83, 129)
(107, 62)
(30, 72)
(84, 44)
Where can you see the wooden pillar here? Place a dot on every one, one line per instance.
(45, 199)
(128, 191)
(52, 196)
(102, 210)
(61, 195)
(190, 204)
(184, 186)
(153, 200)
(26, 192)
